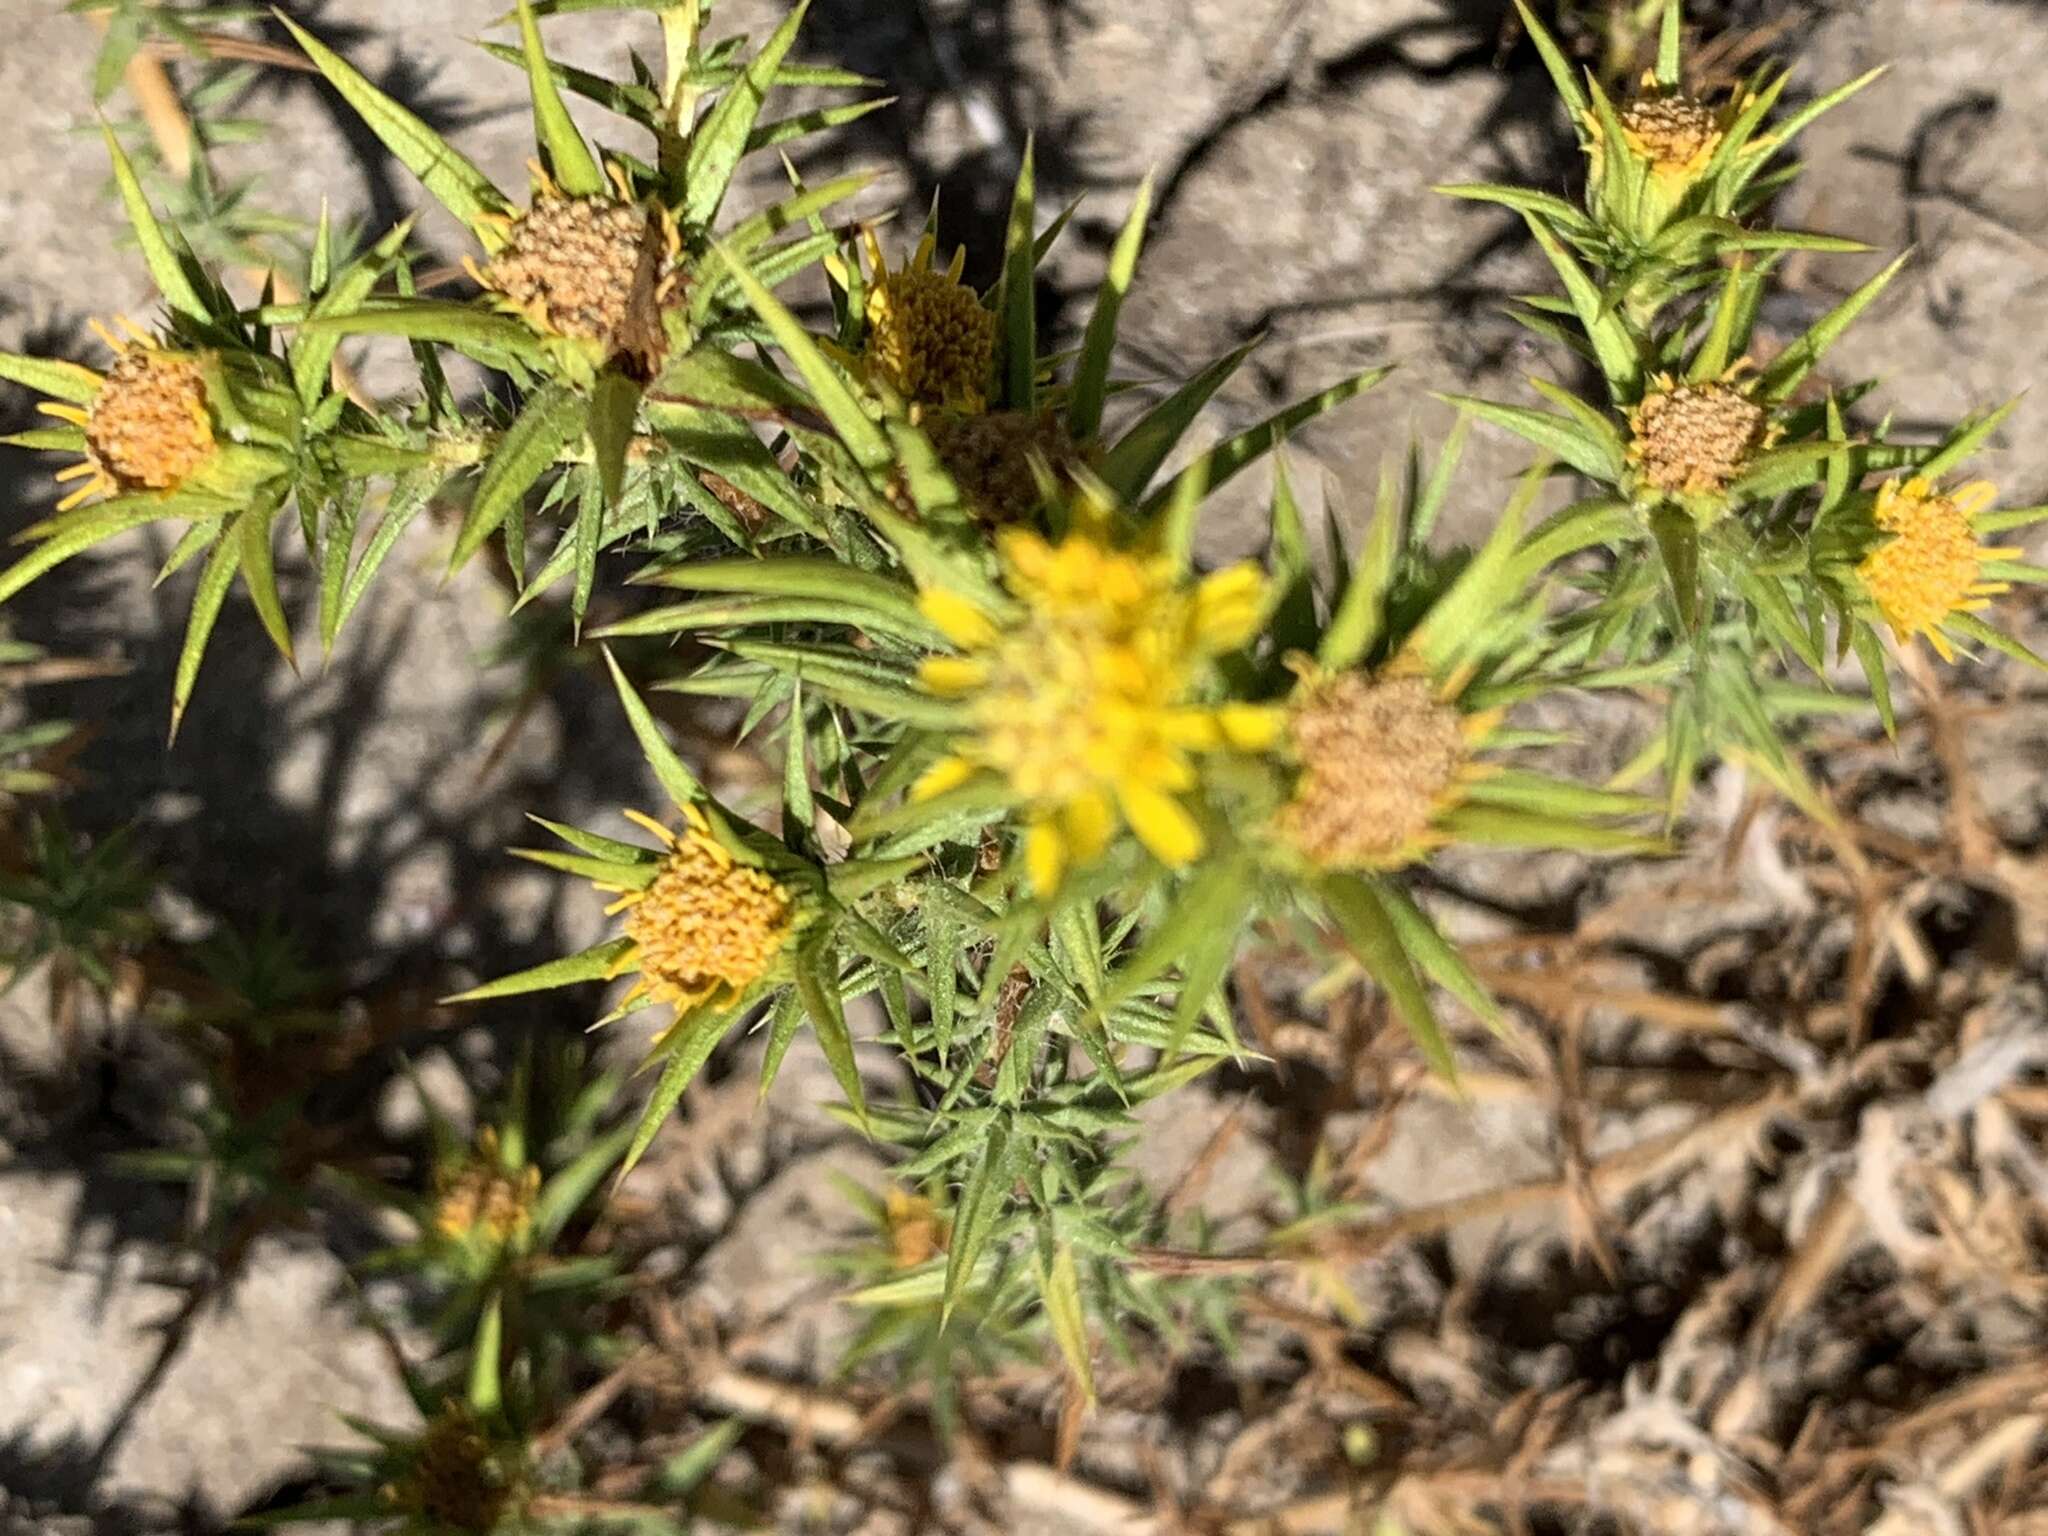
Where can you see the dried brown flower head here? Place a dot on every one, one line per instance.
(1379, 758)
(989, 458)
(1694, 439)
(456, 1480)
(593, 269)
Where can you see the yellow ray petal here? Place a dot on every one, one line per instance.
(647, 823)
(1162, 824)
(1199, 730)
(1089, 823)
(947, 773)
(1975, 497)
(956, 618)
(1227, 607)
(1045, 857)
(952, 675)
(1252, 727)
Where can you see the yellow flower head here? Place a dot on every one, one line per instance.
(707, 927)
(917, 1232)
(478, 1197)
(457, 1480)
(1670, 140)
(1695, 439)
(1380, 759)
(1080, 699)
(1932, 567)
(569, 266)
(148, 428)
(929, 337)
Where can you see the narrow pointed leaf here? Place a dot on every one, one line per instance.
(408, 499)
(1098, 347)
(1667, 46)
(1966, 440)
(486, 1393)
(1018, 309)
(1870, 655)
(552, 418)
(1790, 367)
(312, 353)
(863, 438)
(76, 533)
(1360, 619)
(979, 1204)
(166, 266)
(1560, 439)
(259, 572)
(1984, 634)
(1612, 344)
(1060, 1285)
(614, 407)
(1215, 467)
(451, 178)
(1129, 467)
(566, 1190)
(1438, 958)
(1554, 60)
(1501, 827)
(51, 376)
(720, 139)
(594, 964)
(215, 580)
(1375, 943)
(696, 1038)
(1678, 541)
(817, 983)
(681, 784)
(575, 169)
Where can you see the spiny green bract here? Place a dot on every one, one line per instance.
(1042, 777)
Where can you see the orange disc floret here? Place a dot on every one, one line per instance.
(1380, 759)
(479, 1196)
(1676, 133)
(1932, 567)
(707, 927)
(147, 429)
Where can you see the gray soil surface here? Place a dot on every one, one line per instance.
(1294, 144)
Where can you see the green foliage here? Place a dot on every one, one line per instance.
(82, 905)
(1041, 779)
